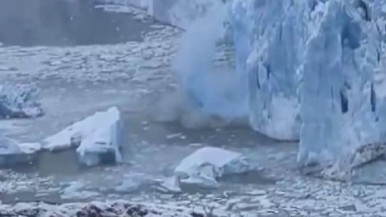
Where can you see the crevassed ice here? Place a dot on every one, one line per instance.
(342, 86)
(268, 38)
(315, 71)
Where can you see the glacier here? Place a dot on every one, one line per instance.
(306, 70)
(309, 70)
(268, 41)
(315, 72)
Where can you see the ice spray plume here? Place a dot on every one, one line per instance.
(207, 89)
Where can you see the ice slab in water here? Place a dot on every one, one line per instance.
(19, 101)
(103, 143)
(73, 135)
(207, 164)
(13, 153)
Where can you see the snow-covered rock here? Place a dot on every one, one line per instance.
(19, 101)
(206, 165)
(98, 138)
(13, 153)
(104, 143)
(102, 209)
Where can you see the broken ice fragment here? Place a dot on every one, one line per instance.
(103, 144)
(12, 152)
(19, 101)
(72, 136)
(207, 164)
(170, 185)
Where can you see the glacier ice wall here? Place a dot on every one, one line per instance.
(269, 41)
(342, 87)
(316, 71)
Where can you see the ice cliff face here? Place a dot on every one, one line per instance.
(343, 88)
(315, 71)
(269, 39)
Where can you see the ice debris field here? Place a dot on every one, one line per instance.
(307, 71)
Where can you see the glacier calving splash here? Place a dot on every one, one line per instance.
(214, 91)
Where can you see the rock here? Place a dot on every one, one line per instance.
(19, 101)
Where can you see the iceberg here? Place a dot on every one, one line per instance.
(98, 138)
(104, 143)
(206, 165)
(19, 101)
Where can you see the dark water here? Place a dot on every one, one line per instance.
(64, 22)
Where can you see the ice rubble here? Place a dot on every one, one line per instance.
(205, 166)
(98, 138)
(19, 101)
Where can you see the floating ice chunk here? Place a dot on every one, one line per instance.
(103, 144)
(19, 101)
(170, 185)
(73, 135)
(30, 148)
(207, 164)
(12, 152)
